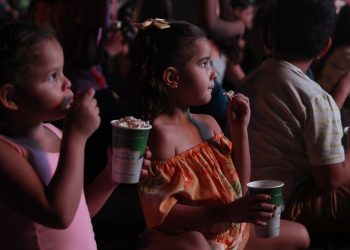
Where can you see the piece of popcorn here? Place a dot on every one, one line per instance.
(131, 122)
(229, 93)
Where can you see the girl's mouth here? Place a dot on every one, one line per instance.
(66, 104)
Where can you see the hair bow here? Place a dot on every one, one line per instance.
(156, 22)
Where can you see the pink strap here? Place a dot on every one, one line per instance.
(21, 150)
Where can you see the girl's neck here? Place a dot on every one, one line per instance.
(173, 116)
(178, 113)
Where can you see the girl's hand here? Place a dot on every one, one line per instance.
(146, 163)
(251, 208)
(238, 112)
(83, 117)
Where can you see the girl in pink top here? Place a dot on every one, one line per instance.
(42, 201)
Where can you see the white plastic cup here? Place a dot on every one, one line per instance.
(129, 146)
(274, 189)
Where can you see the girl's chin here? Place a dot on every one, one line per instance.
(204, 102)
(208, 99)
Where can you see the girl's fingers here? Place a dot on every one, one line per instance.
(148, 153)
(144, 173)
(260, 223)
(261, 197)
(261, 216)
(263, 208)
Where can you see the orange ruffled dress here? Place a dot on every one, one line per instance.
(202, 175)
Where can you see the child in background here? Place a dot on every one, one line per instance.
(243, 10)
(193, 184)
(42, 202)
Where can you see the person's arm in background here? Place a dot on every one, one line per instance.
(217, 27)
(330, 177)
(342, 90)
(323, 137)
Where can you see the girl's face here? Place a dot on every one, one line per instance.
(46, 95)
(197, 75)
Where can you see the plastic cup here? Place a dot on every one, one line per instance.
(274, 189)
(129, 146)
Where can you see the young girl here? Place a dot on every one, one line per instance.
(42, 202)
(193, 184)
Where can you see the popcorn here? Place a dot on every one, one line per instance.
(131, 122)
(229, 93)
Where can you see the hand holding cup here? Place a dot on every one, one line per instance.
(272, 188)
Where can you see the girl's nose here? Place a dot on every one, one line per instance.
(214, 74)
(67, 84)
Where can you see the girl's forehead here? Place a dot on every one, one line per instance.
(203, 44)
(200, 49)
(42, 46)
(48, 54)
(48, 47)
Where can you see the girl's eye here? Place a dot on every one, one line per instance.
(53, 77)
(207, 64)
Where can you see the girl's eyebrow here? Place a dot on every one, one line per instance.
(204, 58)
(208, 57)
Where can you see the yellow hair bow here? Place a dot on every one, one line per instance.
(156, 22)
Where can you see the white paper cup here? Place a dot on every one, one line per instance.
(129, 146)
(274, 189)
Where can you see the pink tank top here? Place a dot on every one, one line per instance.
(20, 233)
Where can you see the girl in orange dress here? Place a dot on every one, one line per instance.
(197, 181)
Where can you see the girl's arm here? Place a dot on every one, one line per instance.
(98, 192)
(253, 209)
(238, 116)
(219, 28)
(54, 205)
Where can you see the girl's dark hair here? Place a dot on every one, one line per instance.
(152, 52)
(17, 49)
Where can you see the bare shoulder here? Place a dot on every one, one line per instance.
(15, 172)
(7, 154)
(161, 141)
(21, 184)
(209, 121)
(11, 162)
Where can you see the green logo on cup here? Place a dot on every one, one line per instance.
(129, 146)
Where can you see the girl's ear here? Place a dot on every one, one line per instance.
(6, 97)
(171, 77)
